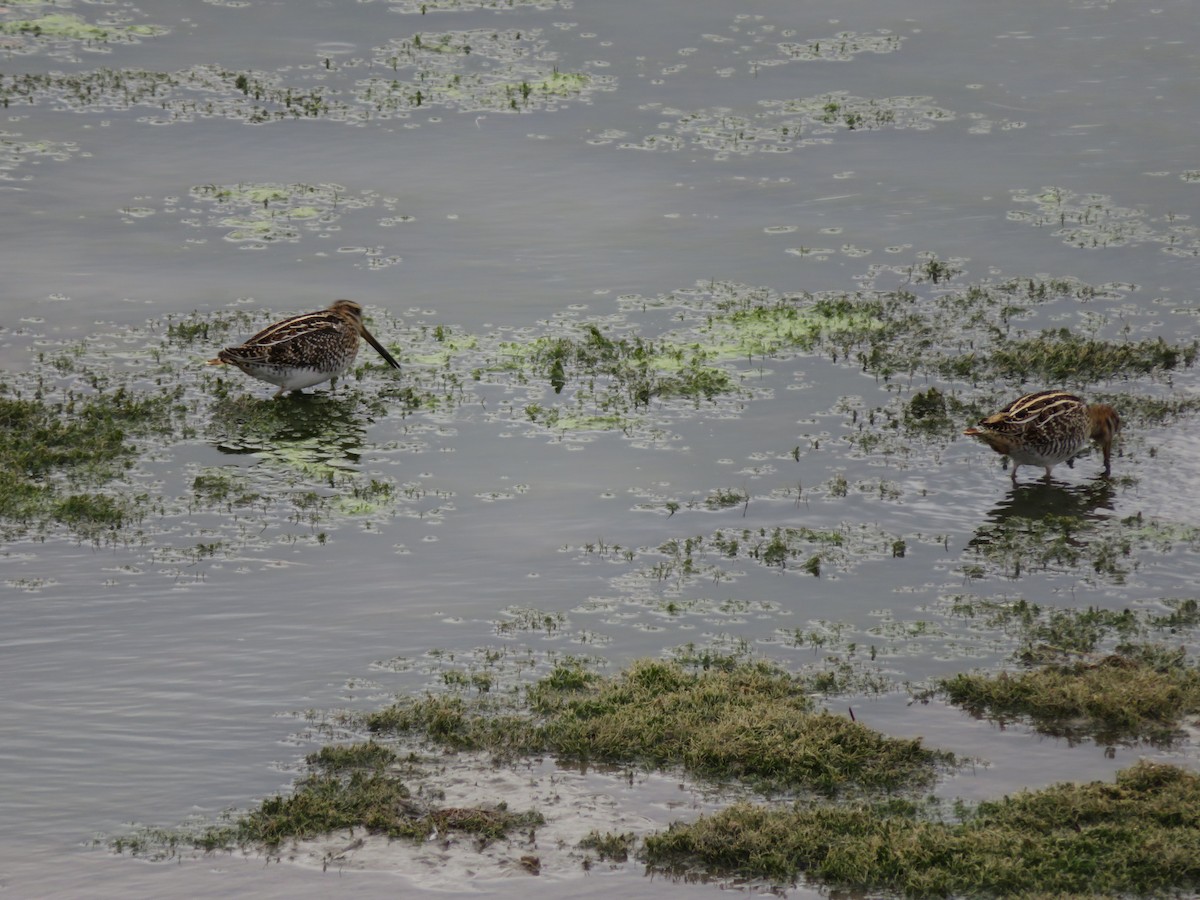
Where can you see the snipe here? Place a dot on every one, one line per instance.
(1048, 427)
(304, 350)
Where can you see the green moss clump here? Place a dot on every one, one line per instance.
(1136, 837)
(750, 722)
(325, 803)
(1140, 693)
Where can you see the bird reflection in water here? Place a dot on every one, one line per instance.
(1042, 526)
(322, 430)
(1037, 499)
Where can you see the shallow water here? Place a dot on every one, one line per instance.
(144, 684)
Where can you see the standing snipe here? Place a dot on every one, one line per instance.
(304, 350)
(1048, 427)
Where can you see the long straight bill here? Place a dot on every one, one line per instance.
(382, 352)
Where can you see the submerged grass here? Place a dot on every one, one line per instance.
(750, 722)
(56, 456)
(900, 331)
(1088, 673)
(639, 370)
(1063, 357)
(352, 786)
(1138, 836)
(1100, 548)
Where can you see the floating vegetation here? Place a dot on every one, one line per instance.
(843, 46)
(204, 91)
(1139, 693)
(811, 551)
(14, 154)
(1087, 839)
(528, 619)
(422, 7)
(1093, 220)
(498, 71)
(196, 332)
(1046, 633)
(1088, 546)
(269, 212)
(1050, 635)
(56, 27)
(727, 497)
(609, 846)
(929, 412)
(783, 125)
(473, 71)
(750, 721)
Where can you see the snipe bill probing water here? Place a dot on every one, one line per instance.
(1046, 428)
(304, 350)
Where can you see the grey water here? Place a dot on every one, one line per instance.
(138, 689)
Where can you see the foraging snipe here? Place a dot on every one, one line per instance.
(304, 350)
(1048, 427)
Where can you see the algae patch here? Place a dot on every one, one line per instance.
(786, 323)
(56, 27)
(619, 375)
